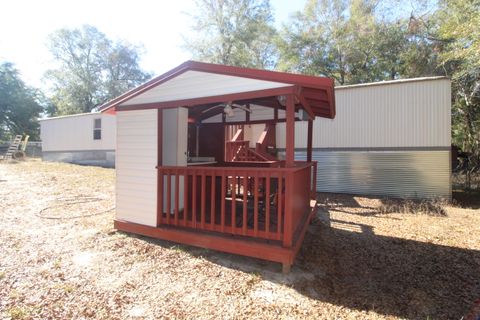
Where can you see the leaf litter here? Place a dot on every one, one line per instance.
(358, 260)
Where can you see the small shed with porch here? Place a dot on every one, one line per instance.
(186, 172)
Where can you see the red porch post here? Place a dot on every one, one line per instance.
(290, 132)
(289, 162)
(309, 140)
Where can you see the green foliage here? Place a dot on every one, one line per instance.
(459, 22)
(339, 39)
(233, 32)
(352, 41)
(19, 105)
(92, 69)
(458, 26)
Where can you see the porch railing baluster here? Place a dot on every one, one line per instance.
(203, 197)
(212, 199)
(267, 203)
(279, 206)
(177, 195)
(169, 198)
(222, 206)
(234, 203)
(160, 179)
(185, 198)
(245, 202)
(194, 198)
(255, 204)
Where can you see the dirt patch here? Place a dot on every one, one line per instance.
(356, 262)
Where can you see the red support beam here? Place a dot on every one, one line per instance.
(304, 102)
(290, 132)
(309, 140)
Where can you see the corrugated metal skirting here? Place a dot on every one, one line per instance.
(402, 174)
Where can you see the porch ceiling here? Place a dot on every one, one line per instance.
(200, 84)
(196, 84)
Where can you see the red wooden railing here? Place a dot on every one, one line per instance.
(267, 203)
(266, 140)
(240, 151)
(237, 150)
(238, 134)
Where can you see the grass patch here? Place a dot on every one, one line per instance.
(66, 287)
(19, 312)
(429, 207)
(57, 264)
(254, 279)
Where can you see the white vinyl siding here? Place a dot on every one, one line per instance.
(136, 159)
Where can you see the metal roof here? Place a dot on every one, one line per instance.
(388, 82)
(71, 115)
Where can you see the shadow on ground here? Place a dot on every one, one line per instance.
(391, 276)
(467, 198)
(348, 265)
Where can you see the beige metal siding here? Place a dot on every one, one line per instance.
(399, 114)
(386, 139)
(261, 113)
(75, 133)
(136, 158)
(400, 174)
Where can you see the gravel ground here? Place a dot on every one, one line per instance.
(60, 258)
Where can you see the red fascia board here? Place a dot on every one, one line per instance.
(283, 77)
(331, 100)
(315, 94)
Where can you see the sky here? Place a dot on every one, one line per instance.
(159, 26)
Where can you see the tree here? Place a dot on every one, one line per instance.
(356, 41)
(233, 32)
(341, 39)
(458, 26)
(92, 70)
(19, 105)
(420, 57)
(316, 41)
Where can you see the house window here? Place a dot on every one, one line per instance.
(97, 129)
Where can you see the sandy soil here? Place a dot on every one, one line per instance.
(59, 261)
